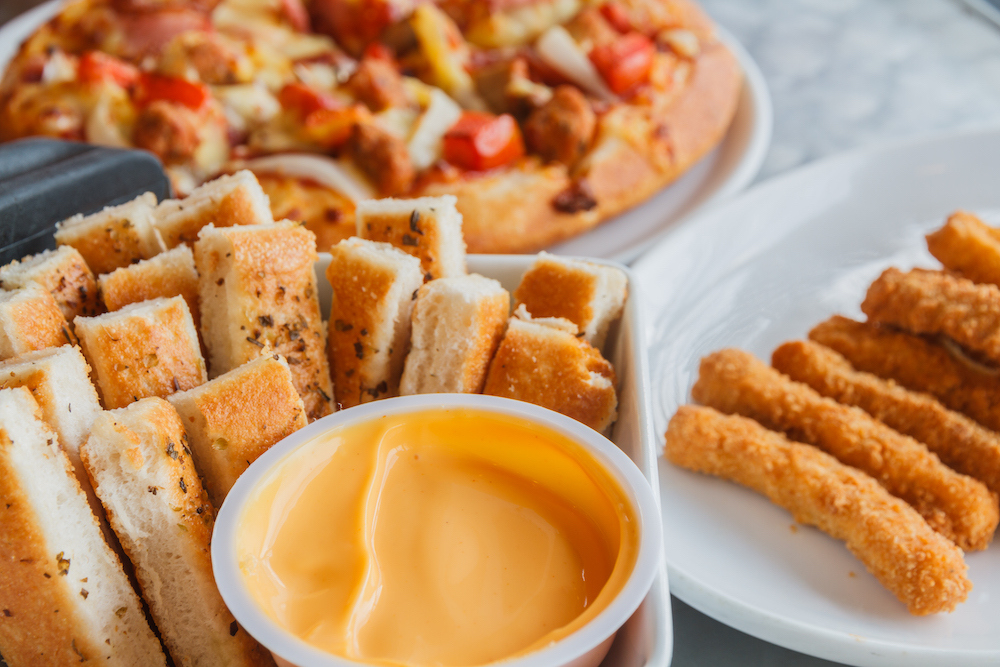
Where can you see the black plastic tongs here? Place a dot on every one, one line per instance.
(45, 181)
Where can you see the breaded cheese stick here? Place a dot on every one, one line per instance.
(968, 246)
(959, 442)
(937, 303)
(921, 568)
(916, 364)
(959, 507)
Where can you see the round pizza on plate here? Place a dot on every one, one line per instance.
(543, 117)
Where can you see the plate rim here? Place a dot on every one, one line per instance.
(755, 97)
(783, 629)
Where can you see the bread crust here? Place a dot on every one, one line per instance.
(57, 610)
(426, 228)
(140, 464)
(233, 419)
(114, 237)
(589, 295)
(551, 367)
(152, 352)
(229, 200)
(30, 320)
(64, 273)
(260, 284)
(374, 287)
(455, 333)
(168, 274)
(30, 633)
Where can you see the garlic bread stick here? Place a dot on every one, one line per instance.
(959, 507)
(920, 567)
(938, 303)
(916, 364)
(959, 442)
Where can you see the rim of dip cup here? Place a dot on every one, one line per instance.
(282, 643)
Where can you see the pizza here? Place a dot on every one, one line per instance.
(543, 117)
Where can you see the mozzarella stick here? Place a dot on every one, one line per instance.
(959, 507)
(959, 442)
(939, 304)
(921, 568)
(916, 364)
(969, 247)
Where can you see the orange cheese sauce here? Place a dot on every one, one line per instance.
(443, 537)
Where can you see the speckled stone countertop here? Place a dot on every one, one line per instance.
(850, 73)
(845, 74)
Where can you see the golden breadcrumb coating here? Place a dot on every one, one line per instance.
(959, 442)
(938, 303)
(916, 364)
(921, 568)
(969, 247)
(957, 506)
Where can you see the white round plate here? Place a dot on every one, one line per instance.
(752, 273)
(728, 169)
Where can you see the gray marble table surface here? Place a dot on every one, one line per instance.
(845, 74)
(842, 74)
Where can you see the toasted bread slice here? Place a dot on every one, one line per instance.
(64, 273)
(170, 273)
(457, 325)
(59, 379)
(589, 295)
(228, 200)
(65, 597)
(257, 289)
(542, 361)
(429, 228)
(114, 237)
(233, 419)
(141, 468)
(30, 320)
(374, 287)
(145, 349)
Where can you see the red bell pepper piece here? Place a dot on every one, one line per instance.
(96, 67)
(153, 87)
(297, 15)
(305, 100)
(481, 141)
(625, 62)
(379, 51)
(617, 16)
